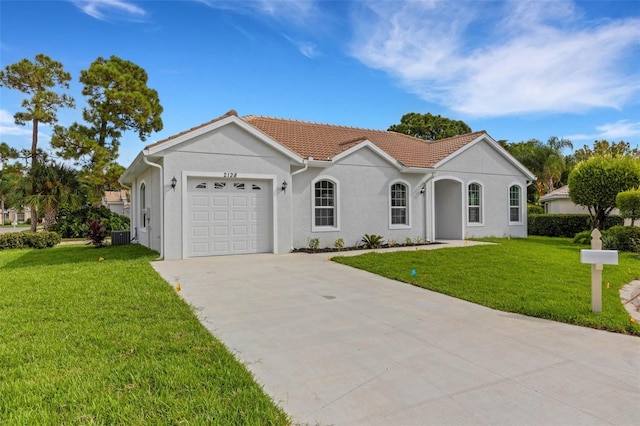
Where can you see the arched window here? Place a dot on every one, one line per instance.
(474, 203)
(325, 213)
(143, 205)
(399, 204)
(515, 210)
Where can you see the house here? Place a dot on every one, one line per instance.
(259, 184)
(558, 202)
(116, 201)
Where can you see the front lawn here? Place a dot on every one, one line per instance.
(91, 341)
(538, 276)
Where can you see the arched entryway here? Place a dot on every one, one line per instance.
(448, 207)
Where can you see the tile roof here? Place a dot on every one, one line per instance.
(115, 196)
(325, 141)
(562, 192)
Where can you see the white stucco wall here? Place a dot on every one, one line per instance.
(147, 234)
(483, 164)
(363, 179)
(564, 206)
(237, 152)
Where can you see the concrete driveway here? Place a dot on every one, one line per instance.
(335, 345)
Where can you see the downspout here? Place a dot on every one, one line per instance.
(306, 166)
(158, 166)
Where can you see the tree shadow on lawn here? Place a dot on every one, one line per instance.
(75, 254)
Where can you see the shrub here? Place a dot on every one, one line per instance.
(623, 238)
(28, 221)
(97, 233)
(583, 237)
(314, 243)
(534, 209)
(39, 240)
(7, 221)
(372, 241)
(75, 223)
(339, 243)
(565, 225)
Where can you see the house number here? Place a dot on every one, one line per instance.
(230, 174)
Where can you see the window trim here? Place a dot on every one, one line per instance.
(336, 207)
(520, 192)
(406, 225)
(480, 206)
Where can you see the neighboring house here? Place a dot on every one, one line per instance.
(117, 202)
(18, 216)
(259, 184)
(558, 202)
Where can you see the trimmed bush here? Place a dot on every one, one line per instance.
(622, 238)
(19, 240)
(564, 225)
(75, 224)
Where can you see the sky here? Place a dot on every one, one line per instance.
(519, 70)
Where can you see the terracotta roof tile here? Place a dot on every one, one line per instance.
(325, 141)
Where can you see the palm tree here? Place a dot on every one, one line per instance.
(49, 186)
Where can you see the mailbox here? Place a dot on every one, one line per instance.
(599, 257)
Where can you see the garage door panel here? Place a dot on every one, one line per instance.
(200, 200)
(238, 217)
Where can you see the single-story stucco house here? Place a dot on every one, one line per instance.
(259, 184)
(558, 202)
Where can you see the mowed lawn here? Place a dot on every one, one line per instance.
(90, 341)
(538, 276)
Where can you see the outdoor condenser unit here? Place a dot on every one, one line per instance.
(120, 238)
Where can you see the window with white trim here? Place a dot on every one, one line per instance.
(143, 205)
(324, 204)
(399, 204)
(474, 203)
(515, 215)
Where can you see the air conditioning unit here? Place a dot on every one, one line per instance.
(120, 238)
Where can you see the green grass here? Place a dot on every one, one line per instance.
(84, 341)
(538, 276)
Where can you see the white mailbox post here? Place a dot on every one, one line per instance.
(597, 257)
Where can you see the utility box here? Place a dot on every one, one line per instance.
(120, 238)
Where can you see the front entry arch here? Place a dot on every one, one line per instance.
(448, 206)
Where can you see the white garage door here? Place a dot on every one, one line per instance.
(228, 216)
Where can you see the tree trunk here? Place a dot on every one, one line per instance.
(34, 143)
(34, 218)
(2, 211)
(49, 218)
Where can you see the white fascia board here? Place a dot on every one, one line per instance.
(156, 150)
(368, 144)
(496, 146)
(129, 174)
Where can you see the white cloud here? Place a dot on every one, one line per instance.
(532, 57)
(613, 132)
(9, 128)
(106, 9)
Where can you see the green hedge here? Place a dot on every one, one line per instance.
(565, 225)
(26, 239)
(75, 223)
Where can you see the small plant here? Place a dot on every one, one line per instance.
(97, 233)
(314, 243)
(339, 244)
(408, 241)
(372, 241)
(7, 221)
(419, 240)
(392, 243)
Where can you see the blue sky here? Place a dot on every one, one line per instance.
(519, 70)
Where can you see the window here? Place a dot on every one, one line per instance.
(514, 204)
(143, 205)
(202, 185)
(399, 204)
(324, 204)
(475, 203)
(219, 185)
(238, 185)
